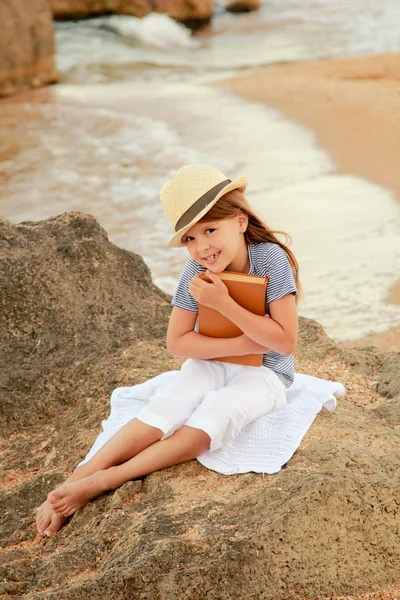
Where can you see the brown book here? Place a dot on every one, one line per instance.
(248, 291)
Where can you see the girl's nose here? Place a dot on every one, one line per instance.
(202, 245)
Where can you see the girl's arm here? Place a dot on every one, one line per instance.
(182, 340)
(278, 333)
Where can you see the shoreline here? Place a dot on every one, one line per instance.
(353, 106)
(340, 100)
(300, 92)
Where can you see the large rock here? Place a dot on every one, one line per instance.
(78, 317)
(26, 45)
(186, 11)
(238, 6)
(79, 9)
(326, 526)
(67, 298)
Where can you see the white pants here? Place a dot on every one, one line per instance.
(219, 398)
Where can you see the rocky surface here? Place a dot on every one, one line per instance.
(68, 298)
(26, 45)
(80, 317)
(186, 11)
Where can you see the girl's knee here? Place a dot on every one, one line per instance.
(195, 440)
(203, 443)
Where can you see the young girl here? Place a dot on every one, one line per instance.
(209, 401)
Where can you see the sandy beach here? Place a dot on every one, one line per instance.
(353, 106)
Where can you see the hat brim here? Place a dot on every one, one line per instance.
(239, 183)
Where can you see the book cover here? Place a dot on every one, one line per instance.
(248, 291)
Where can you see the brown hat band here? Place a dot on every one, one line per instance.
(200, 204)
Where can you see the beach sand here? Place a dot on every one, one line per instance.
(353, 105)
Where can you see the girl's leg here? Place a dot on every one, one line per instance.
(185, 444)
(172, 404)
(178, 398)
(175, 401)
(249, 394)
(131, 439)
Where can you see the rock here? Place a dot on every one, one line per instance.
(80, 9)
(313, 343)
(389, 374)
(240, 6)
(390, 412)
(186, 11)
(196, 534)
(26, 45)
(370, 360)
(68, 297)
(190, 12)
(326, 525)
(125, 493)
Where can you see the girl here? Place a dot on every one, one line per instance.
(209, 401)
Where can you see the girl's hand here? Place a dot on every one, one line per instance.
(252, 347)
(212, 294)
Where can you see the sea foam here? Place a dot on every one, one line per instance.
(153, 30)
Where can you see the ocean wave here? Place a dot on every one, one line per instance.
(155, 30)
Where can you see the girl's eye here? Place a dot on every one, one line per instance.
(210, 230)
(186, 240)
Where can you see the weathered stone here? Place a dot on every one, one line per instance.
(326, 525)
(191, 11)
(26, 45)
(313, 343)
(238, 6)
(67, 297)
(78, 9)
(125, 493)
(370, 360)
(187, 11)
(391, 412)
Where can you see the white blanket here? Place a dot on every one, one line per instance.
(263, 446)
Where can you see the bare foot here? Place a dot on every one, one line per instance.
(48, 521)
(68, 498)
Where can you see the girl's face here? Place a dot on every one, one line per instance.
(219, 245)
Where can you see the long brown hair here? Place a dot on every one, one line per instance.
(257, 231)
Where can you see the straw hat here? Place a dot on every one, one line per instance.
(190, 195)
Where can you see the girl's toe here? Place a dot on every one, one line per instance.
(58, 503)
(48, 532)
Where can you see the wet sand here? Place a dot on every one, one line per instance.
(353, 106)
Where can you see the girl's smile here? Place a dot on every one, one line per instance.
(211, 260)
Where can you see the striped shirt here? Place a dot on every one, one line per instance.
(268, 260)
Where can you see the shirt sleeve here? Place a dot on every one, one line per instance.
(182, 298)
(275, 265)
